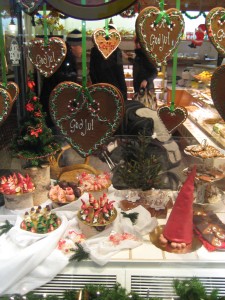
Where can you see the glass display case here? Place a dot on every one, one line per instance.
(143, 180)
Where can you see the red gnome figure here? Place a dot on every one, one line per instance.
(199, 34)
(178, 230)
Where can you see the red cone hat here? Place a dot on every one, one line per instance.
(179, 227)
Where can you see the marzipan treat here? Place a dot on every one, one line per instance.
(16, 184)
(92, 183)
(64, 192)
(40, 220)
(96, 214)
(17, 190)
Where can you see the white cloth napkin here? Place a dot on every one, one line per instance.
(40, 275)
(101, 248)
(29, 260)
(20, 255)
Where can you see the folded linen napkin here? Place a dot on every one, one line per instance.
(121, 235)
(21, 254)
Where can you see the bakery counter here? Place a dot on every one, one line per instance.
(140, 264)
(146, 268)
(203, 122)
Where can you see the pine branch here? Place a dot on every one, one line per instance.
(80, 254)
(5, 228)
(190, 289)
(132, 216)
(140, 169)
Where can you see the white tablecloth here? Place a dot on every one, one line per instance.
(29, 260)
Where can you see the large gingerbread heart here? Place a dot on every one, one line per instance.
(86, 117)
(172, 119)
(159, 41)
(47, 59)
(106, 44)
(12, 88)
(5, 104)
(217, 90)
(216, 28)
(29, 6)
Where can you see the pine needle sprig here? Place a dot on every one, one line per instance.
(140, 169)
(80, 254)
(190, 289)
(132, 216)
(5, 227)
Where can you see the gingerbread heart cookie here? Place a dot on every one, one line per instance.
(47, 59)
(215, 26)
(87, 117)
(12, 88)
(217, 90)
(172, 119)
(106, 44)
(29, 6)
(5, 104)
(159, 39)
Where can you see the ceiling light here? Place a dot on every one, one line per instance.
(12, 25)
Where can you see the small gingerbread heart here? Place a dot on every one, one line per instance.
(29, 6)
(106, 44)
(159, 40)
(217, 90)
(215, 26)
(172, 119)
(12, 88)
(86, 117)
(47, 59)
(5, 104)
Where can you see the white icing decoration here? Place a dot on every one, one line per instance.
(82, 126)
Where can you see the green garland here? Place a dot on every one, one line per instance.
(194, 17)
(190, 289)
(132, 216)
(5, 227)
(80, 254)
(194, 289)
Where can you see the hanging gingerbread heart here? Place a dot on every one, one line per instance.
(159, 32)
(29, 6)
(47, 59)
(217, 90)
(5, 104)
(215, 25)
(172, 119)
(86, 117)
(106, 44)
(12, 88)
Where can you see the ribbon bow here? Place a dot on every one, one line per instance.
(162, 14)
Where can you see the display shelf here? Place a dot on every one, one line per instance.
(147, 264)
(200, 108)
(133, 267)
